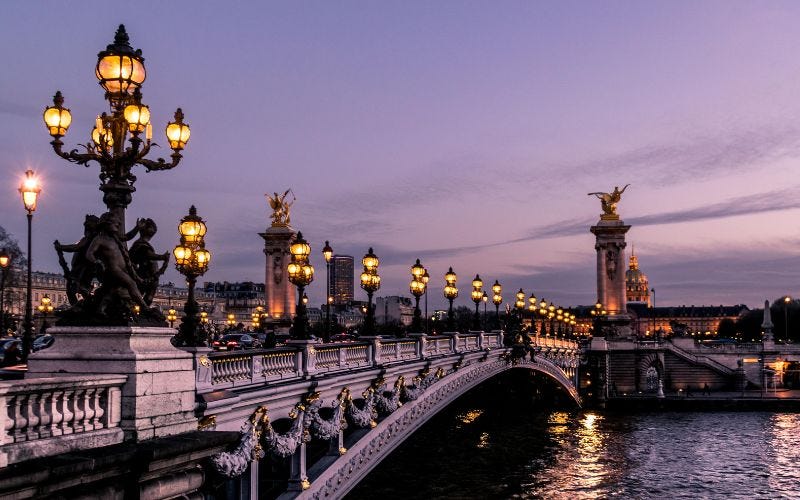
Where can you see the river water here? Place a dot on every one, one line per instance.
(510, 439)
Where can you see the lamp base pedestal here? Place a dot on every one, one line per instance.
(158, 398)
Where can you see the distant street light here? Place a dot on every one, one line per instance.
(5, 260)
(786, 301)
(327, 253)
(191, 260)
(45, 307)
(417, 289)
(485, 301)
(301, 274)
(425, 278)
(30, 190)
(497, 299)
(477, 297)
(450, 293)
(172, 315)
(370, 283)
(533, 307)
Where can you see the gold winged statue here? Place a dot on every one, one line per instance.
(280, 207)
(608, 201)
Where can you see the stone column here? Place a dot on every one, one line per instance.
(610, 246)
(279, 293)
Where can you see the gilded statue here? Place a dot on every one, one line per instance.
(280, 207)
(608, 201)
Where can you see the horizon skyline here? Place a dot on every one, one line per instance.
(465, 136)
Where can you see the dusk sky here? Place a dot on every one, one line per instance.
(466, 134)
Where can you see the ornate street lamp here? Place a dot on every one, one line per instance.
(231, 321)
(485, 300)
(29, 189)
(327, 252)
(533, 307)
(786, 301)
(305, 299)
(5, 261)
(121, 72)
(301, 274)
(497, 299)
(172, 315)
(45, 307)
(370, 283)
(417, 288)
(425, 278)
(477, 297)
(204, 317)
(191, 260)
(450, 293)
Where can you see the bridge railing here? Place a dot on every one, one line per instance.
(248, 368)
(47, 416)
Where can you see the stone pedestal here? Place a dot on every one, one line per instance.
(279, 294)
(610, 246)
(158, 398)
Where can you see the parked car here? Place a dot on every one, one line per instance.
(10, 351)
(234, 341)
(343, 337)
(42, 342)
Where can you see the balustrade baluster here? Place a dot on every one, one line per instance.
(31, 412)
(45, 416)
(88, 405)
(78, 411)
(66, 412)
(7, 419)
(20, 421)
(100, 400)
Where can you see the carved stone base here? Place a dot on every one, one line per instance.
(158, 398)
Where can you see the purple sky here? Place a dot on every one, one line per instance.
(462, 133)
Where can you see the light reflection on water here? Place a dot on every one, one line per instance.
(506, 448)
(670, 455)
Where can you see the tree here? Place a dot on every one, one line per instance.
(13, 274)
(726, 329)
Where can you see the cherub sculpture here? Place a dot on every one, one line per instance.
(144, 259)
(608, 201)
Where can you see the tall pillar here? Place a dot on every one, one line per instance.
(610, 246)
(278, 290)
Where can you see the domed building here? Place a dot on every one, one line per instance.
(637, 288)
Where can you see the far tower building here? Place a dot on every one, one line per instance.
(637, 288)
(341, 284)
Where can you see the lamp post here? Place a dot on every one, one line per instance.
(327, 253)
(497, 299)
(231, 321)
(450, 293)
(191, 260)
(30, 190)
(172, 315)
(301, 274)
(425, 278)
(121, 72)
(786, 301)
(543, 315)
(417, 288)
(533, 306)
(653, 291)
(45, 307)
(370, 283)
(5, 260)
(477, 297)
(485, 300)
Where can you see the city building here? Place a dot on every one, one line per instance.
(394, 309)
(637, 288)
(341, 280)
(240, 299)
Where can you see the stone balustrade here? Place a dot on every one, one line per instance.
(250, 368)
(47, 416)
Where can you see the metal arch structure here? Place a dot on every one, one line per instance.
(251, 388)
(349, 469)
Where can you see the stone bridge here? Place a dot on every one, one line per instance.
(381, 389)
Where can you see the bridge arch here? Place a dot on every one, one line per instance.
(347, 470)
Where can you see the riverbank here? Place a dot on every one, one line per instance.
(779, 400)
